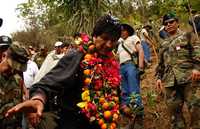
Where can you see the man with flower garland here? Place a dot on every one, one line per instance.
(92, 71)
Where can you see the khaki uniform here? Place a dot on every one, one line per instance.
(178, 57)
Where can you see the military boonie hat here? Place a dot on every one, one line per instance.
(18, 57)
(5, 41)
(169, 16)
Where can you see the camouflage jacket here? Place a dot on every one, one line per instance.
(178, 57)
(10, 93)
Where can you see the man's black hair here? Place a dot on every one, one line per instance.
(128, 28)
(77, 34)
(107, 25)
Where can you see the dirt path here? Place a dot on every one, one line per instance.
(155, 108)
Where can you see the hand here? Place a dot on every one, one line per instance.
(159, 86)
(195, 75)
(33, 119)
(29, 106)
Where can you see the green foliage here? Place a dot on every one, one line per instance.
(65, 17)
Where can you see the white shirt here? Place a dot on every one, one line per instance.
(29, 74)
(142, 33)
(130, 44)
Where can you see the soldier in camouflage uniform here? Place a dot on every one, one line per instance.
(13, 63)
(179, 72)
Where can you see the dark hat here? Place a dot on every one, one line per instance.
(169, 16)
(128, 28)
(196, 22)
(18, 57)
(1, 22)
(5, 41)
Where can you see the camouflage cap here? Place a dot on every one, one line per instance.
(5, 41)
(169, 16)
(18, 57)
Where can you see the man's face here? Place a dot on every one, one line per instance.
(58, 50)
(4, 66)
(104, 43)
(171, 26)
(124, 34)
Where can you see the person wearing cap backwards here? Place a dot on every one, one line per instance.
(81, 80)
(5, 42)
(14, 62)
(178, 74)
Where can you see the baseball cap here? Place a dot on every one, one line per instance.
(18, 57)
(169, 16)
(58, 44)
(5, 41)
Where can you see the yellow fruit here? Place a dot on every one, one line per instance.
(107, 114)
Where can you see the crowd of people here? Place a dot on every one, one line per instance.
(94, 83)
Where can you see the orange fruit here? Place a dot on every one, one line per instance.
(87, 81)
(87, 72)
(88, 57)
(105, 105)
(104, 126)
(107, 114)
(101, 122)
(101, 100)
(91, 47)
(113, 125)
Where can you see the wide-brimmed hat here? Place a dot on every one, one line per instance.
(18, 57)
(128, 28)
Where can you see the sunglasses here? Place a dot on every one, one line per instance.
(170, 22)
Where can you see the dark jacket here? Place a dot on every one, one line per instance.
(64, 83)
